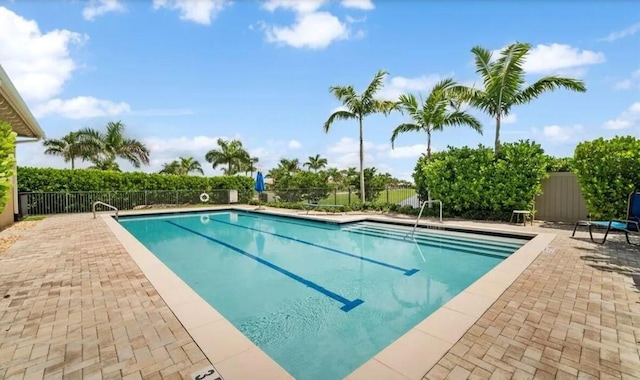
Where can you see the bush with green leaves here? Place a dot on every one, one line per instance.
(76, 189)
(559, 164)
(298, 186)
(374, 183)
(608, 170)
(7, 162)
(477, 184)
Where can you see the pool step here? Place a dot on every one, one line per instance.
(429, 234)
(444, 244)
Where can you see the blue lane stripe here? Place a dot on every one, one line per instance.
(315, 224)
(407, 272)
(347, 305)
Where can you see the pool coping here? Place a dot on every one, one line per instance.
(410, 356)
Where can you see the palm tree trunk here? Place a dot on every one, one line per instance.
(362, 191)
(497, 143)
(73, 163)
(229, 168)
(428, 144)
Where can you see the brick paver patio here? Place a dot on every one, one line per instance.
(79, 307)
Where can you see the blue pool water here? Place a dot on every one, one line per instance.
(319, 298)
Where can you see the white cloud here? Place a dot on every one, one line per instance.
(349, 145)
(81, 107)
(300, 6)
(629, 118)
(510, 119)
(38, 63)
(627, 83)
(366, 5)
(99, 7)
(294, 144)
(174, 145)
(409, 151)
(628, 32)
(314, 30)
(198, 11)
(556, 134)
(546, 59)
(399, 85)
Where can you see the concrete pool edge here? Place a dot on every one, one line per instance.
(223, 344)
(409, 357)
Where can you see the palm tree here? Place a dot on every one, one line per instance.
(316, 162)
(114, 144)
(230, 153)
(289, 166)
(188, 165)
(111, 165)
(70, 147)
(504, 83)
(434, 114)
(172, 167)
(358, 106)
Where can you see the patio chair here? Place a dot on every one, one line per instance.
(629, 226)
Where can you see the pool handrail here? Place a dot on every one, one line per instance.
(422, 209)
(93, 208)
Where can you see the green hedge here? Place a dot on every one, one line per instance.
(475, 184)
(608, 170)
(75, 190)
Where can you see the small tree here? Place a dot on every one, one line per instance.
(7, 161)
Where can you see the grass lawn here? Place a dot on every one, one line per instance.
(395, 196)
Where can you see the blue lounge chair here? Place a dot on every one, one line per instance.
(629, 226)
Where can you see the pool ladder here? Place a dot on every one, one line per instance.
(93, 208)
(422, 209)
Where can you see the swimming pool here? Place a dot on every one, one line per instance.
(319, 298)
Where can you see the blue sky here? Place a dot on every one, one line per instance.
(182, 73)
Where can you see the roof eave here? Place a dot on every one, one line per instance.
(10, 94)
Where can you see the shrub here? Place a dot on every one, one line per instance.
(124, 190)
(374, 183)
(559, 165)
(608, 170)
(7, 161)
(477, 184)
(302, 185)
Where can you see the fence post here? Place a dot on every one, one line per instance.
(145, 198)
(177, 197)
(349, 199)
(387, 194)
(335, 196)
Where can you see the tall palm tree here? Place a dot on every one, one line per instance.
(113, 143)
(230, 153)
(188, 165)
(315, 162)
(504, 82)
(434, 114)
(358, 106)
(172, 167)
(70, 147)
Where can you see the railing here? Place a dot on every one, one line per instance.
(422, 210)
(45, 203)
(93, 207)
(400, 196)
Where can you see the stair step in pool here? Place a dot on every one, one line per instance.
(434, 240)
(434, 244)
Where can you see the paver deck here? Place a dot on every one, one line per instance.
(79, 307)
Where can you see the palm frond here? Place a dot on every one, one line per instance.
(549, 83)
(482, 58)
(461, 118)
(404, 128)
(376, 84)
(338, 115)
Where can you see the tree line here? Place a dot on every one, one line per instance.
(503, 87)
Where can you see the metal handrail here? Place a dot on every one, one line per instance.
(422, 209)
(93, 208)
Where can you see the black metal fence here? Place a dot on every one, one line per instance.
(401, 196)
(45, 203)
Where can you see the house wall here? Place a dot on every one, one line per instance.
(7, 215)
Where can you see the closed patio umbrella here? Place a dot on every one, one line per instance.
(259, 187)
